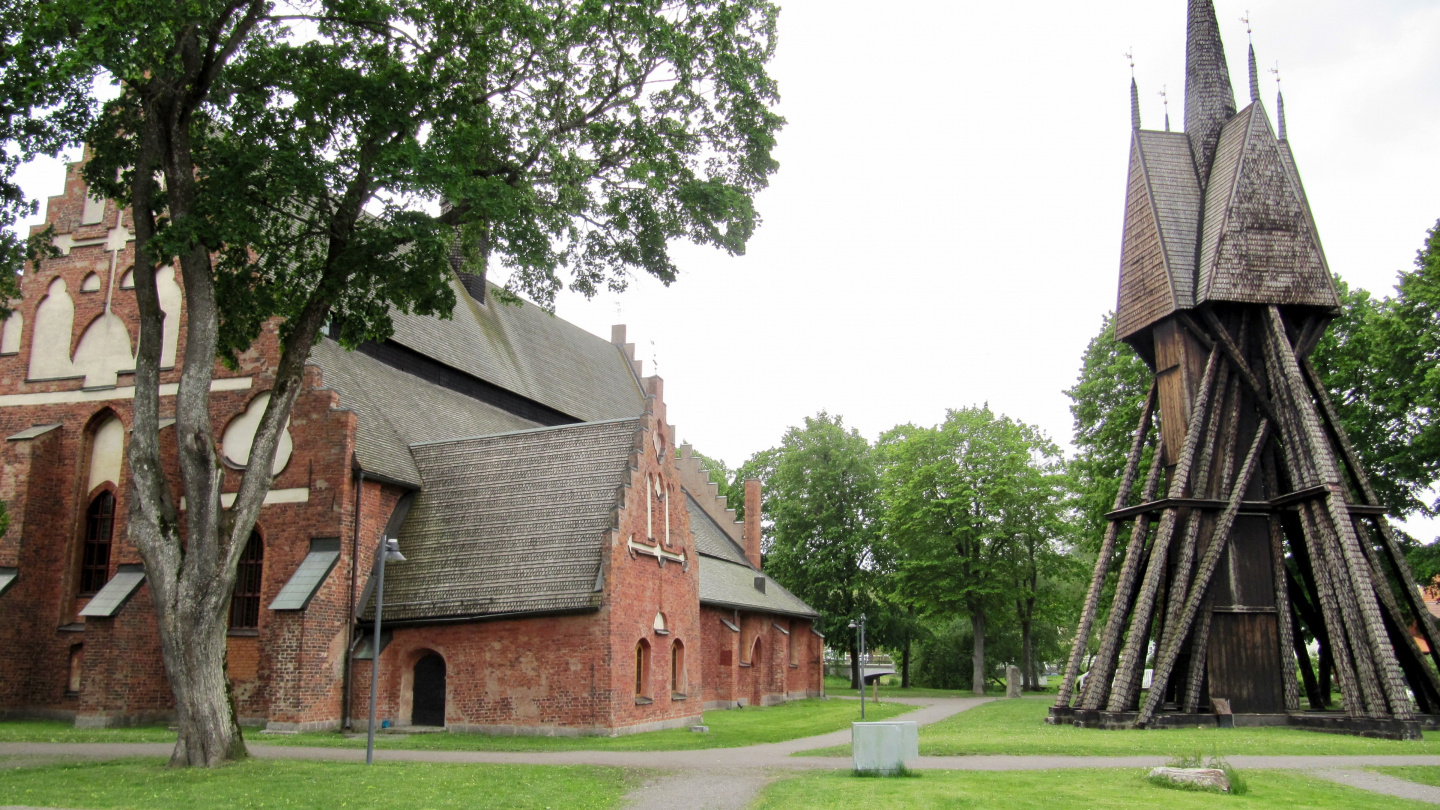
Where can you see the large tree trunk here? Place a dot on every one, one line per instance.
(977, 660)
(1027, 663)
(905, 664)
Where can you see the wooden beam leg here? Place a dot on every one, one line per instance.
(1132, 658)
(1107, 550)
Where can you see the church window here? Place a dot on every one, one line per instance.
(642, 669)
(95, 557)
(677, 668)
(245, 602)
(77, 659)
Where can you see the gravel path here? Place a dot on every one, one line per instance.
(1381, 783)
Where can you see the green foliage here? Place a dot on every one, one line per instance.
(1381, 362)
(1106, 402)
(4, 519)
(822, 515)
(728, 482)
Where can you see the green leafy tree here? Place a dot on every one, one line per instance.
(821, 512)
(1105, 402)
(285, 159)
(971, 512)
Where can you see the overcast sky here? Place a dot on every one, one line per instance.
(945, 226)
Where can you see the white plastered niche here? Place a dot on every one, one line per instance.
(11, 332)
(240, 435)
(106, 452)
(50, 340)
(104, 351)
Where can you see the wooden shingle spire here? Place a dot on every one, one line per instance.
(1209, 99)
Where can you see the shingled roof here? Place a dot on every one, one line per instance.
(726, 578)
(524, 349)
(511, 523)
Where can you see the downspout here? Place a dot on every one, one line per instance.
(350, 638)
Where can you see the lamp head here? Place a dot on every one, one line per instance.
(392, 550)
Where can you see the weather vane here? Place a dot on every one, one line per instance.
(1246, 20)
(1130, 57)
(1276, 70)
(1165, 99)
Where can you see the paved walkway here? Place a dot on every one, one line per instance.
(726, 778)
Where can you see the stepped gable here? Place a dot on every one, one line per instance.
(726, 578)
(1258, 241)
(395, 409)
(526, 350)
(695, 480)
(512, 523)
(1162, 211)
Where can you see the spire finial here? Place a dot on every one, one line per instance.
(1279, 100)
(1134, 92)
(1209, 99)
(1165, 99)
(1254, 75)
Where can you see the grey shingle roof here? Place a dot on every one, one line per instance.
(731, 585)
(511, 523)
(525, 349)
(395, 410)
(1259, 241)
(1175, 192)
(711, 539)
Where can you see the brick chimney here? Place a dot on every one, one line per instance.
(752, 521)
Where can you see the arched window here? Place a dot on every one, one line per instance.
(642, 669)
(95, 558)
(245, 602)
(677, 668)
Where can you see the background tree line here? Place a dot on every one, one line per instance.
(966, 543)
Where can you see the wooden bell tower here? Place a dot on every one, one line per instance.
(1254, 526)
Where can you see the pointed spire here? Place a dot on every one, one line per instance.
(1134, 92)
(1254, 77)
(1279, 100)
(1209, 99)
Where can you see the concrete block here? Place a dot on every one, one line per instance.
(885, 746)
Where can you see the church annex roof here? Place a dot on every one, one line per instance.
(510, 523)
(726, 578)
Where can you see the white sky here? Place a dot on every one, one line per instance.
(945, 226)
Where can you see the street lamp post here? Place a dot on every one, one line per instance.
(854, 625)
(389, 551)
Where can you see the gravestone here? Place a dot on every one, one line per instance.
(1013, 682)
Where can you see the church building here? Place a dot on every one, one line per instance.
(568, 569)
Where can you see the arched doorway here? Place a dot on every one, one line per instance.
(428, 706)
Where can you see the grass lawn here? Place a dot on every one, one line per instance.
(1059, 790)
(1018, 727)
(296, 785)
(890, 688)
(728, 729)
(1417, 773)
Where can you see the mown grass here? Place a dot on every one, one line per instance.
(728, 729)
(731, 728)
(1424, 774)
(1059, 790)
(1018, 727)
(295, 785)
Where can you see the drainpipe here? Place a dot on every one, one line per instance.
(350, 638)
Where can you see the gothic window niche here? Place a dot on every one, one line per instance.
(677, 669)
(95, 554)
(245, 602)
(107, 452)
(642, 671)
